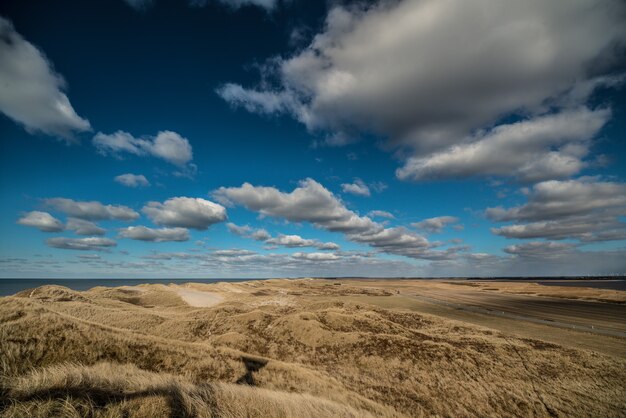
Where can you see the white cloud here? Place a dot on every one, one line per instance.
(43, 221)
(166, 145)
(233, 253)
(541, 148)
(282, 240)
(83, 227)
(427, 74)
(295, 241)
(380, 214)
(142, 233)
(358, 188)
(92, 211)
(132, 180)
(312, 202)
(89, 257)
(586, 209)
(83, 244)
(185, 212)
(31, 92)
(316, 256)
(558, 199)
(435, 225)
(248, 232)
(539, 249)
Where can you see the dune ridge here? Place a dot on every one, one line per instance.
(292, 347)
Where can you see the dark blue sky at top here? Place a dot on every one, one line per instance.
(158, 69)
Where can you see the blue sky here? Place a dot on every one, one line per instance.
(265, 138)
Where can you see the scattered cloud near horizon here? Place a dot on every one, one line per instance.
(311, 202)
(81, 244)
(586, 209)
(143, 233)
(281, 240)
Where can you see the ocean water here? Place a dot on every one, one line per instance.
(12, 286)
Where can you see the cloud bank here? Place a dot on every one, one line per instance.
(311, 202)
(432, 75)
(81, 244)
(586, 209)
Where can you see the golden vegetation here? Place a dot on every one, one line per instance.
(280, 348)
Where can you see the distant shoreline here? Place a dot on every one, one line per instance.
(10, 286)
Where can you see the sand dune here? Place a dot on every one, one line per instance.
(287, 348)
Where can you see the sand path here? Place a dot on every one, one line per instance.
(197, 298)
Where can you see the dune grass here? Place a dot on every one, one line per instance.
(269, 349)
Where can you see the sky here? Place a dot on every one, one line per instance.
(292, 138)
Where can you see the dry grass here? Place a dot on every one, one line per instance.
(280, 348)
(107, 389)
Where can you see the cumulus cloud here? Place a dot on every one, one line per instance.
(238, 263)
(248, 232)
(142, 233)
(294, 241)
(380, 214)
(311, 202)
(132, 180)
(83, 227)
(92, 210)
(166, 145)
(282, 240)
(435, 225)
(539, 249)
(429, 74)
(185, 212)
(586, 209)
(82, 244)
(43, 221)
(31, 92)
(541, 148)
(358, 188)
(316, 256)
